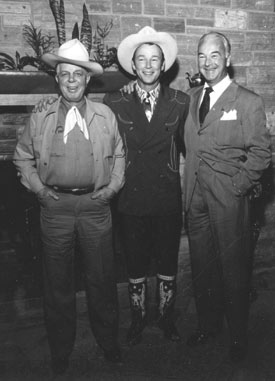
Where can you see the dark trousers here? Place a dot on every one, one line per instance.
(89, 221)
(144, 235)
(219, 237)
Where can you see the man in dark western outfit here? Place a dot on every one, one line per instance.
(71, 156)
(227, 150)
(150, 120)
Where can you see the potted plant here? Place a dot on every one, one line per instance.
(29, 75)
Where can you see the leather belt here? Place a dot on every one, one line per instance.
(76, 192)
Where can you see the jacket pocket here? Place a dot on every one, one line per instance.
(124, 121)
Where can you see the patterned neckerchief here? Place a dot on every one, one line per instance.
(149, 97)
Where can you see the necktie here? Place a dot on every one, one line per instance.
(147, 106)
(73, 117)
(204, 108)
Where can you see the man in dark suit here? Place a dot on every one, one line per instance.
(150, 120)
(227, 150)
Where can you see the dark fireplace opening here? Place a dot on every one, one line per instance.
(20, 247)
(20, 242)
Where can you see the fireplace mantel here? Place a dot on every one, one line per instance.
(19, 91)
(27, 88)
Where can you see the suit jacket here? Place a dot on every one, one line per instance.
(152, 180)
(233, 140)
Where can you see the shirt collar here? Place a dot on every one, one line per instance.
(154, 93)
(68, 105)
(81, 106)
(220, 86)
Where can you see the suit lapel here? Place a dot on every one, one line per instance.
(223, 103)
(194, 106)
(161, 113)
(134, 111)
(143, 130)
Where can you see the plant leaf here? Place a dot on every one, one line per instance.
(75, 33)
(8, 62)
(9, 59)
(100, 31)
(40, 43)
(59, 18)
(62, 21)
(86, 30)
(17, 56)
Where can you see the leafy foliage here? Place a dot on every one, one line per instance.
(101, 53)
(95, 45)
(43, 42)
(39, 42)
(86, 30)
(7, 62)
(58, 11)
(103, 32)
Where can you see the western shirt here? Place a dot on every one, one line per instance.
(33, 150)
(71, 165)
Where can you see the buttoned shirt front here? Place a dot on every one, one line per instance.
(71, 165)
(33, 150)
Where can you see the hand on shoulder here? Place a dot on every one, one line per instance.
(44, 104)
(129, 88)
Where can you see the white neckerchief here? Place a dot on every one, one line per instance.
(74, 117)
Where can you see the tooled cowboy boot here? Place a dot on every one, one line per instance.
(137, 296)
(166, 294)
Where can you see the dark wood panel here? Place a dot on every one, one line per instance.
(13, 82)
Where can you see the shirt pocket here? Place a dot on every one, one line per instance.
(58, 146)
(125, 124)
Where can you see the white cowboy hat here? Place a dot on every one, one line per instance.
(73, 52)
(147, 34)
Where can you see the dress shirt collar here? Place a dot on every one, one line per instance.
(221, 86)
(218, 89)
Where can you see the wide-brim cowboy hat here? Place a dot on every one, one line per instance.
(128, 46)
(73, 52)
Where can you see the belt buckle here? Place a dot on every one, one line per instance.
(75, 191)
(78, 192)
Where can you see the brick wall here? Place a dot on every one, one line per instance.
(250, 25)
